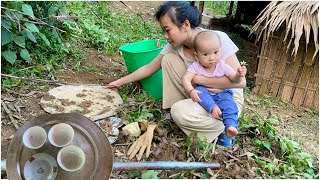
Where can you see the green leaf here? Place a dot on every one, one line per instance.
(304, 155)
(5, 36)
(51, 10)
(17, 5)
(44, 38)
(79, 109)
(311, 172)
(27, 9)
(31, 27)
(292, 145)
(273, 121)
(205, 176)
(5, 23)
(307, 157)
(10, 83)
(283, 146)
(270, 167)
(134, 174)
(56, 35)
(151, 174)
(29, 35)
(24, 53)
(189, 141)
(18, 15)
(20, 41)
(308, 176)
(267, 144)
(10, 56)
(310, 161)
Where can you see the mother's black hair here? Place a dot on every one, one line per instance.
(179, 11)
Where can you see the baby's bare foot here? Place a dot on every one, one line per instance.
(231, 131)
(167, 116)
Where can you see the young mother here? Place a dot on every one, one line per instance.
(179, 21)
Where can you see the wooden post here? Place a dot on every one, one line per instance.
(229, 15)
(230, 10)
(201, 6)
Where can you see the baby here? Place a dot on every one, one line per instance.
(209, 64)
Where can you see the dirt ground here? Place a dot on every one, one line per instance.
(294, 124)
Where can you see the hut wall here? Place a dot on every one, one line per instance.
(292, 79)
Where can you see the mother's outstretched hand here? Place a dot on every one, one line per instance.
(111, 86)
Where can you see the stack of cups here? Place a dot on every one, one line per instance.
(70, 157)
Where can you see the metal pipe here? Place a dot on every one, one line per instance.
(163, 165)
(158, 165)
(3, 165)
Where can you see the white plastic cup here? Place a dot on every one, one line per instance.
(61, 134)
(34, 137)
(71, 158)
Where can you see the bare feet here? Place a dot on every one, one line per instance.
(231, 131)
(216, 112)
(167, 116)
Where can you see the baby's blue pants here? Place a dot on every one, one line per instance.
(224, 101)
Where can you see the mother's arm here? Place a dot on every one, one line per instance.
(141, 73)
(221, 82)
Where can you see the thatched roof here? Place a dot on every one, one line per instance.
(299, 17)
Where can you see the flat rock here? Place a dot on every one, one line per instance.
(93, 102)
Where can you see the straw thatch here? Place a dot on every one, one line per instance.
(299, 17)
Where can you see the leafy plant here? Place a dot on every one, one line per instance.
(22, 28)
(100, 28)
(9, 84)
(204, 149)
(290, 163)
(187, 144)
(133, 174)
(151, 174)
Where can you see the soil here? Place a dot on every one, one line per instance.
(235, 162)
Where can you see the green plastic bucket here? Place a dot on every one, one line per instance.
(139, 54)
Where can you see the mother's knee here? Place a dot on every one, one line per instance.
(176, 111)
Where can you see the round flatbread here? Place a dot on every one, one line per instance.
(93, 102)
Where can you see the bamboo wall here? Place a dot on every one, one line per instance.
(293, 79)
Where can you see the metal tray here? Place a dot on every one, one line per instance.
(88, 136)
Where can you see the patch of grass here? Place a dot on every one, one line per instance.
(264, 101)
(91, 69)
(220, 8)
(115, 29)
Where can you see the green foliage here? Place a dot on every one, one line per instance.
(291, 162)
(9, 84)
(204, 149)
(189, 141)
(31, 41)
(22, 29)
(106, 30)
(10, 56)
(151, 174)
(141, 107)
(91, 69)
(133, 174)
(144, 115)
(198, 148)
(31, 34)
(220, 8)
(205, 176)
